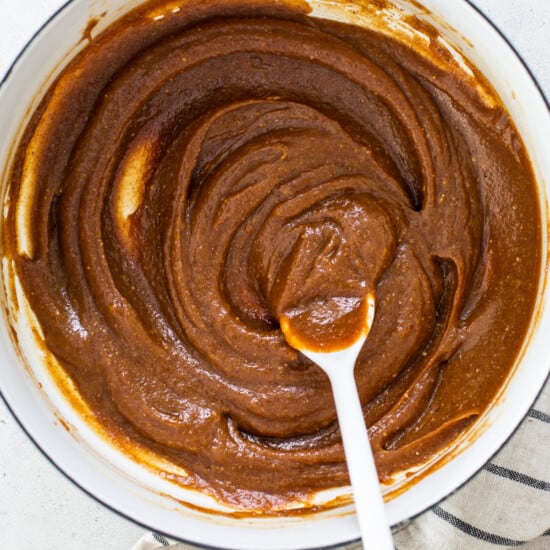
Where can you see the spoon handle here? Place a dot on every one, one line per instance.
(369, 503)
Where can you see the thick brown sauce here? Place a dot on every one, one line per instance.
(327, 324)
(191, 178)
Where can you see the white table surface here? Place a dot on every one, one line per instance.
(39, 508)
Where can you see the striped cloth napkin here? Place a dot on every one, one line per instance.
(506, 505)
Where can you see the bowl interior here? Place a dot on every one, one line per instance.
(88, 458)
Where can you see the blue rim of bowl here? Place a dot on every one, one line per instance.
(334, 546)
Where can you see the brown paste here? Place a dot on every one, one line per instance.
(190, 179)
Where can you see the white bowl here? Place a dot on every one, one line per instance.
(112, 478)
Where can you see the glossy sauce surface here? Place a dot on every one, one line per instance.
(190, 181)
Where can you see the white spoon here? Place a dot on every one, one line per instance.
(339, 367)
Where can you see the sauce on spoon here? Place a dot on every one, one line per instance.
(330, 325)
